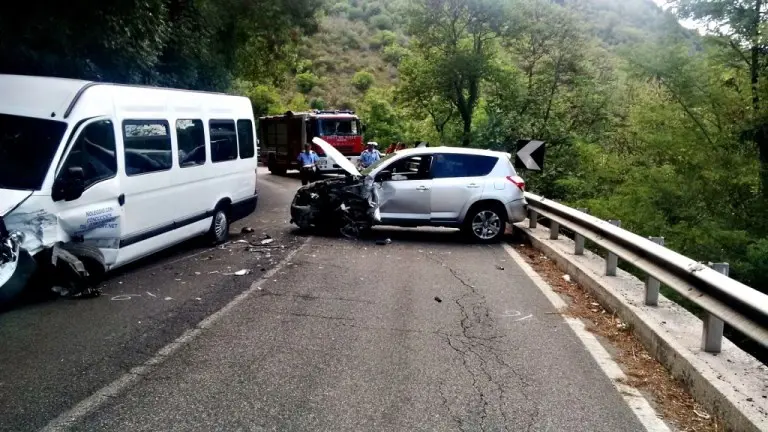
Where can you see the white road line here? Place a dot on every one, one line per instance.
(636, 401)
(96, 400)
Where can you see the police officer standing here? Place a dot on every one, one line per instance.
(369, 155)
(307, 164)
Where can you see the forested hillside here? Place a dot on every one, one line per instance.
(645, 121)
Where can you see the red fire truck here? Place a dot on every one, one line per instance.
(282, 138)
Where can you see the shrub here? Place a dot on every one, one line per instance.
(355, 14)
(362, 81)
(382, 22)
(393, 54)
(306, 81)
(317, 103)
(340, 8)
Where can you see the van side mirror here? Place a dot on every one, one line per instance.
(70, 186)
(384, 176)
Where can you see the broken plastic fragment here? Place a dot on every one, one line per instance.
(242, 272)
(702, 414)
(267, 241)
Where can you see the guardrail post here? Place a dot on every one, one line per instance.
(712, 337)
(532, 218)
(578, 238)
(554, 230)
(612, 261)
(652, 284)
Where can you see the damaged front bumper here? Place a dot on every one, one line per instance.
(16, 264)
(350, 205)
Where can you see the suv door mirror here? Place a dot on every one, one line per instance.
(384, 176)
(71, 185)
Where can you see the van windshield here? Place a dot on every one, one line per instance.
(27, 147)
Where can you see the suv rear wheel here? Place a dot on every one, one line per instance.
(486, 224)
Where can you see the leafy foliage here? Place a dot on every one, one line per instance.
(189, 44)
(306, 81)
(363, 81)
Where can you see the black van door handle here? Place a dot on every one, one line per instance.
(121, 199)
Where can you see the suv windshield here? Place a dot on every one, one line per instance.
(27, 147)
(338, 127)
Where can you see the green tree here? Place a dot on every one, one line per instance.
(384, 123)
(317, 103)
(456, 38)
(739, 25)
(422, 92)
(198, 45)
(363, 81)
(306, 81)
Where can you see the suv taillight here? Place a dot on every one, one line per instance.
(518, 181)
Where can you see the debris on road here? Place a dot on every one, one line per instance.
(499, 267)
(168, 298)
(383, 242)
(267, 241)
(567, 278)
(438, 299)
(150, 294)
(246, 230)
(242, 272)
(702, 414)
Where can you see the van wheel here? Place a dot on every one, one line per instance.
(219, 232)
(485, 224)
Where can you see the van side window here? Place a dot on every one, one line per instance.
(223, 140)
(94, 152)
(245, 138)
(147, 146)
(191, 138)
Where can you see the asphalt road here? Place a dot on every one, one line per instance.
(426, 333)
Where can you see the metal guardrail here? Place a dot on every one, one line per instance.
(722, 298)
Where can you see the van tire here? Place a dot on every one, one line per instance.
(494, 214)
(219, 232)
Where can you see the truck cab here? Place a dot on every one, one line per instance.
(282, 138)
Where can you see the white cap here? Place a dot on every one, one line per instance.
(373, 143)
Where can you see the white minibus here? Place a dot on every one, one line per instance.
(96, 175)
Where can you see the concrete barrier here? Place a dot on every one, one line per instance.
(732, 384)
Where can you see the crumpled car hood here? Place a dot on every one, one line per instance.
(9, 199)
(337, 157)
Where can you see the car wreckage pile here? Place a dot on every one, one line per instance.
(348, 205)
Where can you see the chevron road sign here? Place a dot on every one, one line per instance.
(530, 154)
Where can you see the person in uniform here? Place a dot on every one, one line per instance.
(307, 164)
(369, 155)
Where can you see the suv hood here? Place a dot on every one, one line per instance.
(10, 199)
(334, 154)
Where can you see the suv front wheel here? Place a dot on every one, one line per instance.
(485, 224)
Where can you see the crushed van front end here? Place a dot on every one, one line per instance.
(16, 265)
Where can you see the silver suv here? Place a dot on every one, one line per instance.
(476, 190)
